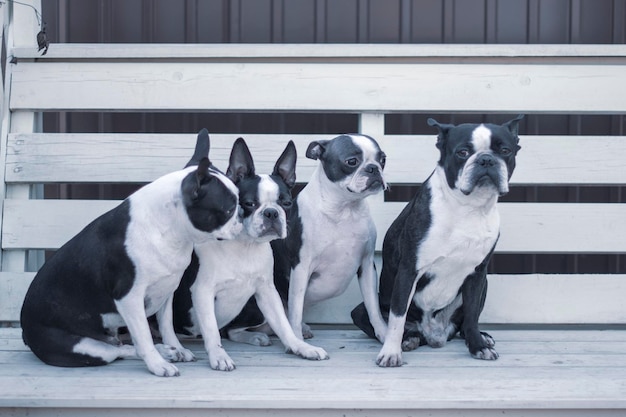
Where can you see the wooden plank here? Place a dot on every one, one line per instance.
(512, 299)
(141, 158)
(525, 228)
(318, 51)
(362, 87)
(567, 380)
(540, 227)
(59, 157)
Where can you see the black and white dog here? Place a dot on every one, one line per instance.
(124, 267)
(331, 236)
(433, 282)
(224, 275)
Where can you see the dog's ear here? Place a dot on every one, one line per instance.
(513, 125)
(316, 149)
(443, 131)
(241, 164)
(202, 175)
(285, 167)
(202, 148)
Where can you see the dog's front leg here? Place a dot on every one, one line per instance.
(474, 291)
(131, 308)
(171, 349)
(298, 283)
(402, 295)
(367, 283)
(272, 308)
(203, 298)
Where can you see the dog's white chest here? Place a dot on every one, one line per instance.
(231, 272)
(334, 250)
(456, 243)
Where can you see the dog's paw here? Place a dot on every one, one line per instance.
(220, 361)
(410, 343)
(487, 353)
(172, 354)
(306, 351)
(488, 339)
(161, 367)
(306, 331)
(389, 358)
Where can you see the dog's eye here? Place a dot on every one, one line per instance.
(505, 151)
(352, 162)
(249, 204)
(286, 204)
(462, 153)
(383, 161)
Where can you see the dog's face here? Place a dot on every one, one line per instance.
(354, 162)
(478, 156)
(211, 201)
(264, 199)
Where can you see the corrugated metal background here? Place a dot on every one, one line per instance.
(349, 21)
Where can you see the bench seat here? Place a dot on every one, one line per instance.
(565, 372)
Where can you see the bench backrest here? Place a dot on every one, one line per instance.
(369, 80)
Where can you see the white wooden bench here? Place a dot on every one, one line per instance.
(560, 336)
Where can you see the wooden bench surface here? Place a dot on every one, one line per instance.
(567, 372)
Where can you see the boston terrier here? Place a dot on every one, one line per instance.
(123, 267)
(331, 236)
(433, 281)
(224, 275)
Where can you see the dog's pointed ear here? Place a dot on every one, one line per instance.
(202, 175)
(285, 167)
(203, 145)
(241, 164)
(316, 149)
(443, 131)
(513, 125)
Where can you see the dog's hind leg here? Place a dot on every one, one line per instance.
(104, 351)
(244, 335)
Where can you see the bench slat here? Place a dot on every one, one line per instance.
(87, 51)
(384, 87)
(526, 227)
(88, 157)
(512, 299)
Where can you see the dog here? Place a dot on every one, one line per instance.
(226, 274)
(331, 236)
(433, 282)
(123, 267)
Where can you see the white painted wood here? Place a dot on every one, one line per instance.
(526, 227)
(325, 52)
(51, 157)
(373, 87)
(542, 227)
(542, 377)
(512, 299)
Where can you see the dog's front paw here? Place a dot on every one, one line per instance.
(220, 361)
(310, 352)
(488, 339)
(172, 354)
(410, 343)
(487, 353)
(306, 331)
(160, 367)
(388, 358)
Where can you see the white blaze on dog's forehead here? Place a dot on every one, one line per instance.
(268, 190)
(370, 150)
(481, 138)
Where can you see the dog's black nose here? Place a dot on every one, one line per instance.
(486, 160)
(371, 169)
(270, 213)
